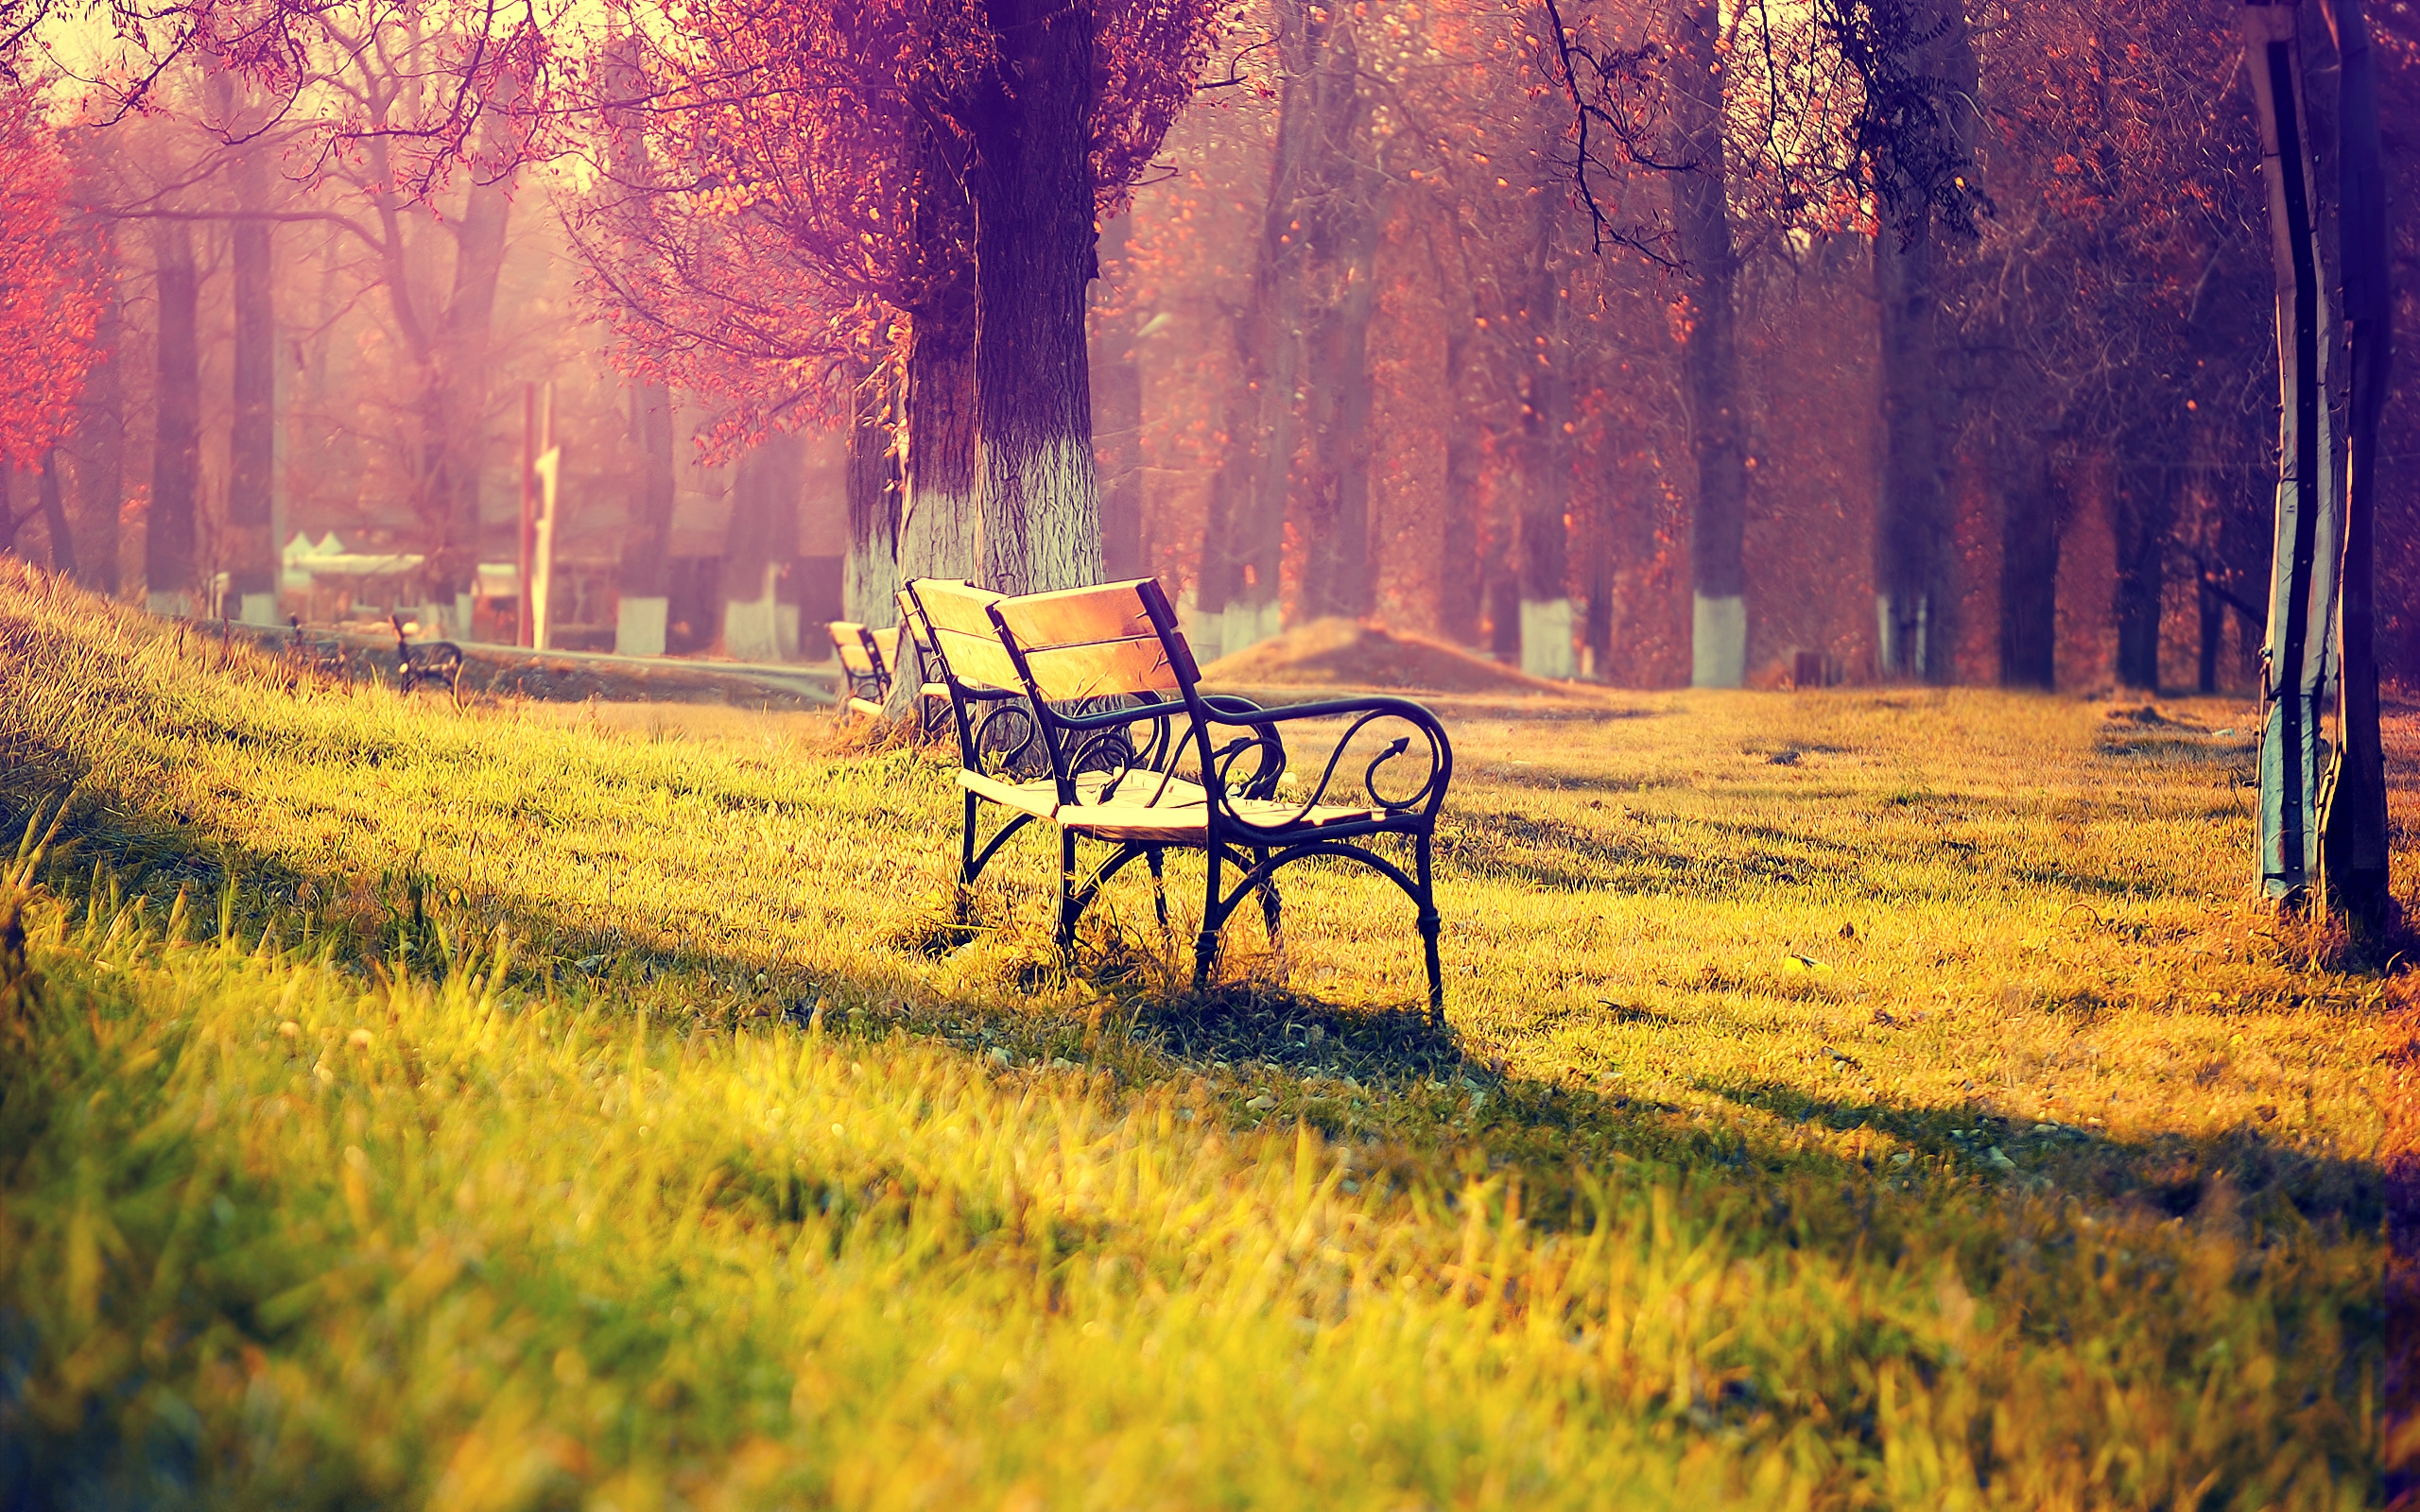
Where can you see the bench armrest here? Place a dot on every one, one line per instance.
(1425, 733)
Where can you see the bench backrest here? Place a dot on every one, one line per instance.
(957, 618)
(860, 656)
(1093, 643)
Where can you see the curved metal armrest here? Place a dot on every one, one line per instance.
(1425, 797)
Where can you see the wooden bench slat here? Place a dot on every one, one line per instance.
(977, 660)
(1076, 616)
(1100, 669)
(957, 606)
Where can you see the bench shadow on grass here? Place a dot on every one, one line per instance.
(1250, 1025)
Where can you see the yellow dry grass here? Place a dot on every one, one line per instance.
(1866, 1097)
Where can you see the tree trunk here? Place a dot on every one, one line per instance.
(1458, 588)
(2145, 515)
(1117, 406)
(1910, 528)
(100, 450)
(2353, 815)
(870, 576)
(1268, 340)
(251, 450)
(1545, 503)
(168, 566)
(470, 316)
(2031, 510)
(1032, 193)
(1916, 597)
(645, 604)
(940, 530)
(759, 541)
(54, 516)
(1702, 218)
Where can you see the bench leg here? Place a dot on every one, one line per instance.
(1205, 945)
(1156, 860)
(1067, 893)
(1270, 902)
(967, 860)
(1430, 924)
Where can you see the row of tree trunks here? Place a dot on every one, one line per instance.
(1701, 219)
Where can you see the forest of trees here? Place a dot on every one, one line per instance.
(1936, 342)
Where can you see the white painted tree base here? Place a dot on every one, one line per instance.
(750, 629)
(176, 605)
(1718, 642)
(257, 610)
(1244, 625)
(1546, 639)
(639, 625)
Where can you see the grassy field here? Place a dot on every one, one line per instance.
(1872, 1097)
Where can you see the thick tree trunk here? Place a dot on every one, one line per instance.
(1032, 193)
(2030, 511)
(1702, 216)
(870, 574)
(251, 448)
(101, 452)
(1336, 566)
(168, 566)
(1117, 406)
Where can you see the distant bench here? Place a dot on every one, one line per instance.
(1083, 710)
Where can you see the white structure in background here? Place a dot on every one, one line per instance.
(1718, 641)
(1546, 639)
(639, 625)
(752, 628)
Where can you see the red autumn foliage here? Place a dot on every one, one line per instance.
(48, 303)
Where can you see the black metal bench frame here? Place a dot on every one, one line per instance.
(1241, 817)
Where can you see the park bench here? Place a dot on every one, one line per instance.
(429, 664)
(1114, 740)
(867, 657)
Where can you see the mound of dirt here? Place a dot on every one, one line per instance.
(1341, 653)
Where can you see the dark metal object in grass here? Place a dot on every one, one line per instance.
(430, 665)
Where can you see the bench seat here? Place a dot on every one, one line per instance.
(1039, 796)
